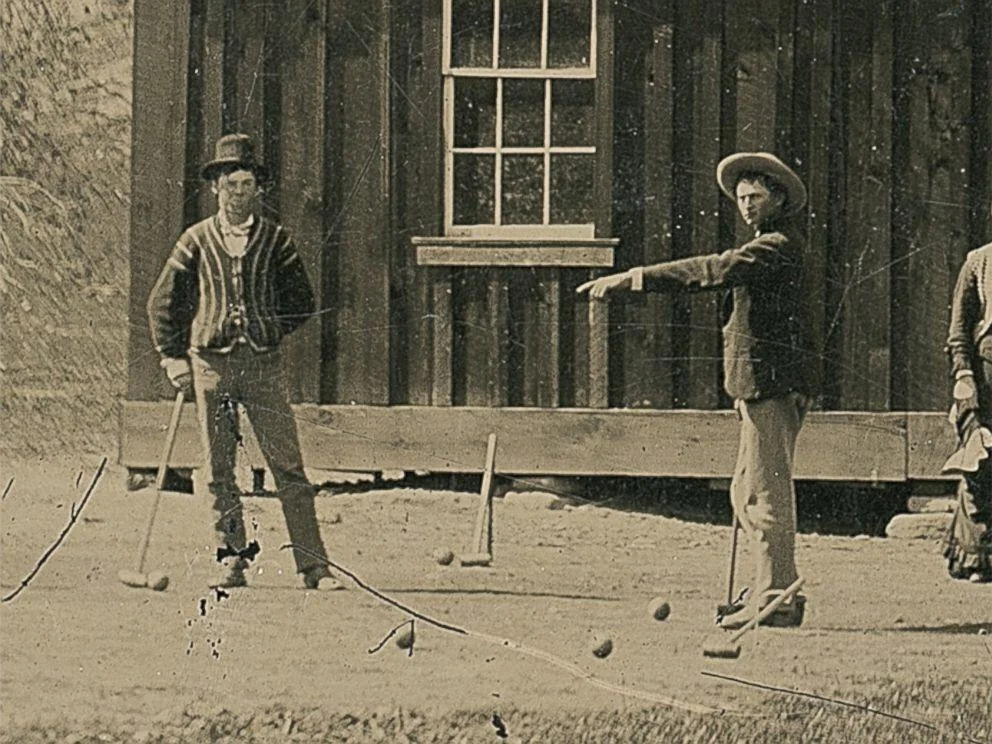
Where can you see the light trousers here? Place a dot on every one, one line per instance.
(762, 492)
(256, 381)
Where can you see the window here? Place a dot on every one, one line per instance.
(519, 108)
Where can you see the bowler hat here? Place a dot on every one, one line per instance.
(732, 167)
(234, 151)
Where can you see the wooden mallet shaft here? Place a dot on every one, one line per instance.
(726, 609)
(481, 552)
(138, 578)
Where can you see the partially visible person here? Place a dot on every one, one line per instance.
(232, 289)
(969, 346)
(767, 356)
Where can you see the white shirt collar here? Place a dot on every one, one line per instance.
(229, 230)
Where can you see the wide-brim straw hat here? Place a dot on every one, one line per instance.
(733, 166)
(234, 151)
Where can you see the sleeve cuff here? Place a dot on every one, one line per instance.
(963, 373)
(637, 279)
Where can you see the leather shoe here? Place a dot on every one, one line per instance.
(787, 615)
(319, 577)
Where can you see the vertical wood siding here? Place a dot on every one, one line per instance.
(887, 116)
(158, 174)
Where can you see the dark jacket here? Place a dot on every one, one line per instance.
(767, 343)
(971, 313)
(205, 299)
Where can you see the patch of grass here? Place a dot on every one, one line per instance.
(955, 714)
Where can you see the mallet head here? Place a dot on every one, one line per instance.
(156, 581)
(132, 578)
(721, 649)
(475, 559)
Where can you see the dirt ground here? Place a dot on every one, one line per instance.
(85, 659)
(84, 656)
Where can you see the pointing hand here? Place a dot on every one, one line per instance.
(599, 288)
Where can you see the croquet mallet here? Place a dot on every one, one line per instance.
(156, 580)
(730, 648)
(481, 551)
(733, 603)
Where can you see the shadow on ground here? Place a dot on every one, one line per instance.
(824, 508)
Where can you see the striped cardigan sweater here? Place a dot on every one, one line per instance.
(206, 299)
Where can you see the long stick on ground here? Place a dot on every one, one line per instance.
(513, 645)
(74, 513)
(838, 701)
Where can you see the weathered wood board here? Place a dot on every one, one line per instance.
(696, 444)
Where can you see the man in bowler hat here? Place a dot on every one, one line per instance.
(231, 290)
(767, 357)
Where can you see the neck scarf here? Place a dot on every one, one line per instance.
(235, 236)
(241, 231)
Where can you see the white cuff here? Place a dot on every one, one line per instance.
(637, 279)
(964, 373)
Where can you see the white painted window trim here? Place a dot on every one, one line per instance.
(499, 230)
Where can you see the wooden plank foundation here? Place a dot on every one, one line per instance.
(844, 446)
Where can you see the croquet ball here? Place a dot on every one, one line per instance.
(659, 609)
(157, 581)
(602, 649)
(444, 557)
(404, 639)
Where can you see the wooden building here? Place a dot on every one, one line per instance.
(452, 169)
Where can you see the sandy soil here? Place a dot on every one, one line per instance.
(83, 658)
(884, 626)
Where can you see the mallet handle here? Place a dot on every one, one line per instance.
(170, 440)
(163, 466)
(733, 560)
(768, 609)
(482, 540)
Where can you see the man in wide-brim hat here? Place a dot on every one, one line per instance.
(232, 289)
(767, 356)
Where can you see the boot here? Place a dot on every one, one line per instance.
(788, 615)
(319, 577)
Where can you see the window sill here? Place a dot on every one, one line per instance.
(581, 253)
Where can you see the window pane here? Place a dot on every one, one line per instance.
(569, 33)
(572, 114)
(571, 189)
(523, 183)
(475, 112)
(474, 188)
(472, 33)
(523, 113)
(520, 33)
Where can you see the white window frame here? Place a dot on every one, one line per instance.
(494, 72)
